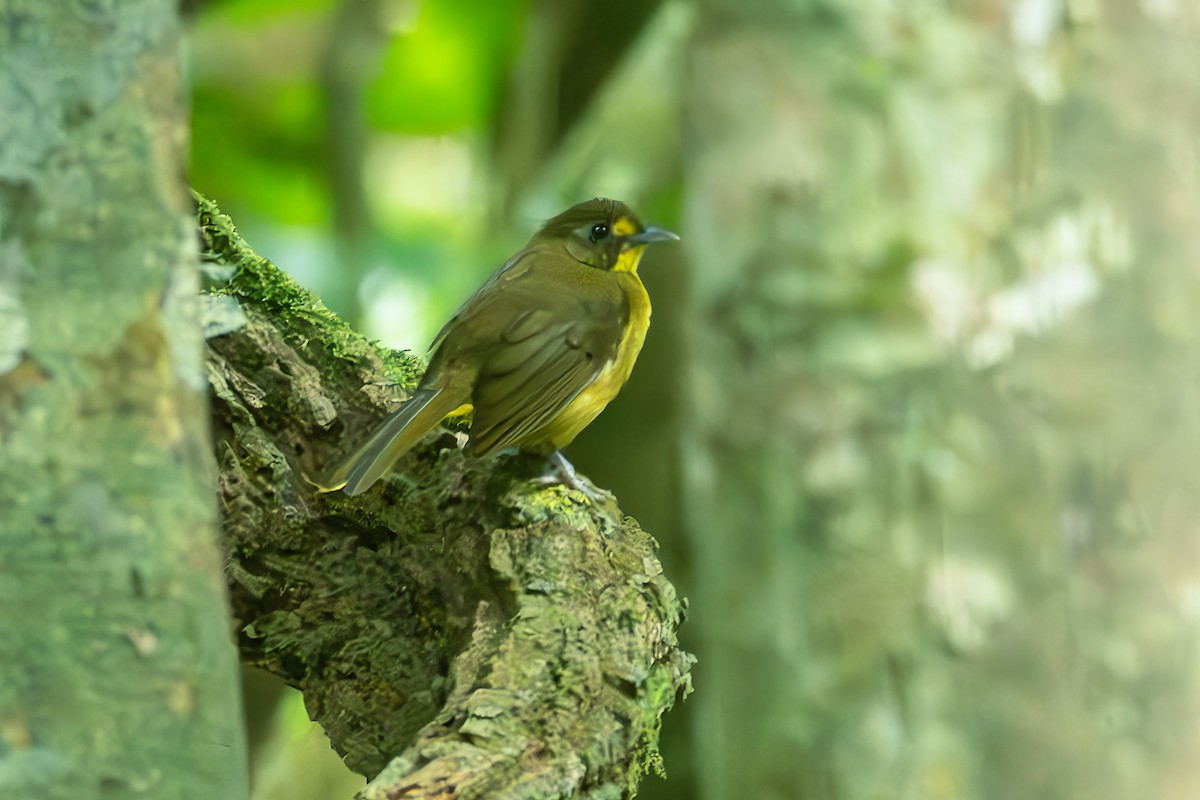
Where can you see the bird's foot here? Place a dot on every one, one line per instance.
(562, 472)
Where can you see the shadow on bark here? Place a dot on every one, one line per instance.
(458, 630)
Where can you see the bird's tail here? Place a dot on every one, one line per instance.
(398, 432)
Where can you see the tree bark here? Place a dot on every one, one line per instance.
(117, 673)
(459, 628)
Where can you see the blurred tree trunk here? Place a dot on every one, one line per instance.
(564, 63)
(351, 56)
(117, 673)
(940, 443)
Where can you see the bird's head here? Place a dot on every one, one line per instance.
(604, 234)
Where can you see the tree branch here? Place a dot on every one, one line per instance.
(459, 628)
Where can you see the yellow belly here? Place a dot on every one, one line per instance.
(588, 404)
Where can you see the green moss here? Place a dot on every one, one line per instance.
(256, 281)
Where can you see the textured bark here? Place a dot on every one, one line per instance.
(459, 627)
(117, 674)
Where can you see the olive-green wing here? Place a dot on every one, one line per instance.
(532, 337)
(494, 292)
(544, 358)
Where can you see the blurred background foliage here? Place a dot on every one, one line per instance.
(916, 421)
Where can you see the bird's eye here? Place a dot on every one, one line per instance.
(599, 231)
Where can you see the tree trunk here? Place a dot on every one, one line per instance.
(941, 436)
(117, 674)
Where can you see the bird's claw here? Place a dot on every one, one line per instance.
(562, 472)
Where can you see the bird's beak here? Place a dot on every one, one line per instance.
(651, 234)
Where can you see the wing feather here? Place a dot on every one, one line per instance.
(522, 386)
(514, 406)
(535, 336)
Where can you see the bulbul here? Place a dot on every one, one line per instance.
(537, 352)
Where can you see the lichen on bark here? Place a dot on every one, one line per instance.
(117, 676)
(459, 630)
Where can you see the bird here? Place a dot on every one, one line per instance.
(536, 353)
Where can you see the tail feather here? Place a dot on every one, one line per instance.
(398, 432)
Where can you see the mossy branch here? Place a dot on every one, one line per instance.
(459, 631)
